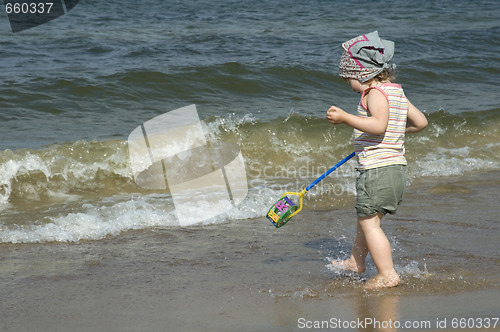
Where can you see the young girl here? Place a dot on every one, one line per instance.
(384, 116)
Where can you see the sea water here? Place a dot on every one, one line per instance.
(262, 75)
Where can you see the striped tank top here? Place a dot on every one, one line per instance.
(387, 149)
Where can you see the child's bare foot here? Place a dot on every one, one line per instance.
(350, 264)
(382, 281)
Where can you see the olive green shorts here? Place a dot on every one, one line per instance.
(380, 190)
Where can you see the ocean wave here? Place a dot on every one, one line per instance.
(72, 168)
(85, 190)
(273, 150)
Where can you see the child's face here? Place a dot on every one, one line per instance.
(355, 85)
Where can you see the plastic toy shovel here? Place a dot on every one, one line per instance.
(284, 209)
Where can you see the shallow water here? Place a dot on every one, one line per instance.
(439, 250)
(252, 276)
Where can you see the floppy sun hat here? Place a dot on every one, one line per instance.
(365, 57)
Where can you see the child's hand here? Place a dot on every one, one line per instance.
(335, 115)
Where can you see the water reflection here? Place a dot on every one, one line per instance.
(378, 312)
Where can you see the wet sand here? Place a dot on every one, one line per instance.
(248, 276)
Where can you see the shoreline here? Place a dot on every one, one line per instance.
(246, 275)
(124, 293)
(111, 289)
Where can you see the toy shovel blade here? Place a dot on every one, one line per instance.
(284, 209)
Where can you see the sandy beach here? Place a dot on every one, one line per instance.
(249, 276)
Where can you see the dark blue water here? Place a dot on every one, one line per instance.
(105, 67)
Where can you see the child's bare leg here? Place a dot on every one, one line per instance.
(380, 250)
(359, 251)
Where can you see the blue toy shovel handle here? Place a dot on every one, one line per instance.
(283, 219)
(340, 163)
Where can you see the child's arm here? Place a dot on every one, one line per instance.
(416, 120)
(376, 124)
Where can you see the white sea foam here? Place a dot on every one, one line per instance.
(449, 162)
(114, 215)
(94, 222)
